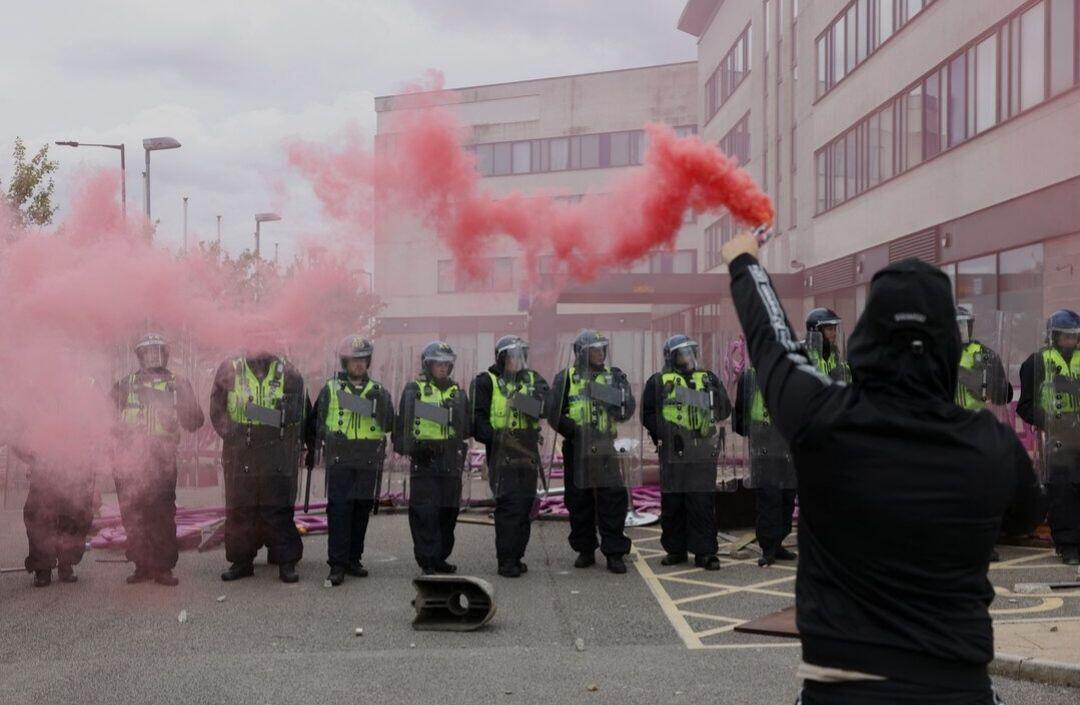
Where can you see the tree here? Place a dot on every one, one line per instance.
(30, 191)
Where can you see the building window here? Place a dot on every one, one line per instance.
(855, 35)
(498, 275)
(1004, 71)
(716, 235)
(729, 74)
(678, 262)
(736, 143)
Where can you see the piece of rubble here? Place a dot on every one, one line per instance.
(359, 631)
(579, 644)
(220, 598)
(182, 617)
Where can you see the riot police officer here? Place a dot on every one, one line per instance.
(824, 344)
(354, 414)
(154, 404)
(588, 399)
(982, 379)
(1050, 401)
(432, 429)
(508, 400)
(680, 408)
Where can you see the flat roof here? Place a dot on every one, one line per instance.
(546, 78)
(696, 15)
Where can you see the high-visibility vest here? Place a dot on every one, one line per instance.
(247, 388)
(149, 419)
(600, 420)
(1053, 401)
(758, 412)
(964, 397)
(689, 417)
(425, 430)
(502, 415)
(350, 424)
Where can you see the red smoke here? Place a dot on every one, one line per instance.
(425, 172)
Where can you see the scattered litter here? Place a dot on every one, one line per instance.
(182, 617)
(563, 572)
(575, 592)
(412, 646)
(327, 583)
(220, 598)
(508, 692)
(359, 631)
(1013, 601)
(579, 644)
(592, 687)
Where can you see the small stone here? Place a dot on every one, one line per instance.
(182, 617)
(579, 644)
(220, 598)
(575, 592)
(327, 583)
(592, 687)
(359, 631)
(508, 692)
(412, 646)
(1013, 601)
(1054, 628)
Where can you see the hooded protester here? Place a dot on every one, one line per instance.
(902, 492)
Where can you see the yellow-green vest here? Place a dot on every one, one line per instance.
(267, 392)
(136, 415)
(1054, 402)
(675, 413)
(758, 412)
(964, 397)
(824, 365)
(502, 415)
(425, 430)
(349, 423)
(601, 420)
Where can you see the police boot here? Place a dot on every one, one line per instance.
(42, 578)
(444, 567)
(166, 578)
(673, 559)
(616, 565)
(585, 559)
(237, 571)
(287, 573)
(141, 575)
(1070, 555)
(66, 574)
(783, 554)
(509, 569)
(522, 567)
(707, 562)
(337, 575)
(356, 569)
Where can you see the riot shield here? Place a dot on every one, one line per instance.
(601, 402)
(518, 398)
(1057, 400)
(433, 432)
(828, 352)
(353, 450)
(688, 407)
(982, 378)
(768, 458)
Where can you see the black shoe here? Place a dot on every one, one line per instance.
(337, 575)
(66, 574)
(237, 571)
(287, 573)
(509, 570)
(444, 567)
(522, 567)
(995, 557)
(166, 578)
(783, 554)
(141, 575)
(615, 565)
(673, 559)
(1070, 555)
(707, 562)
(585, 559)
(42, 578)
(427, 571)
(357, 570)
(766, 560)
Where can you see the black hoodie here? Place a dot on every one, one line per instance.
(902, 492)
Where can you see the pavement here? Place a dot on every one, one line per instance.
(559, 634)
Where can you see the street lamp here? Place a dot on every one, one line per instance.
(151, 144)
(123, 167)
(261, 218)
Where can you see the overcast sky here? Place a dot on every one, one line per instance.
(233, 81)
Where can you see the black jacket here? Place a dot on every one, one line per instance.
(384, 408)
(652, 417)
(481, 404)
(902, 492)
(560, 397)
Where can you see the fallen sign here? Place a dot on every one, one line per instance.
(452, 603)
(780, 623)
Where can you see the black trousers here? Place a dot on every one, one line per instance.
(57, 515)
(148, 509)
(594, 509)
(348, 522)
(890, 693)
(688, 523)
(1064, 513)
(515, 494)
(249, 528)
(434, 504)
(773, 524)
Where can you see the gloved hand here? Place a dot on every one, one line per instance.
(742, 244)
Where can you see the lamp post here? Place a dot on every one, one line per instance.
(123, 167)
(219, 230)
(152, 144)
(261, 218)
(185, 224)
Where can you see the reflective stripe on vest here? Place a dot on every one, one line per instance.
(824, 365)
(575, 410)
(134, 413)
(423, 429)
(501, 415)
(675, 413)
(267, 392)
(1054, 402)
(964, 397)
(349, 423)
